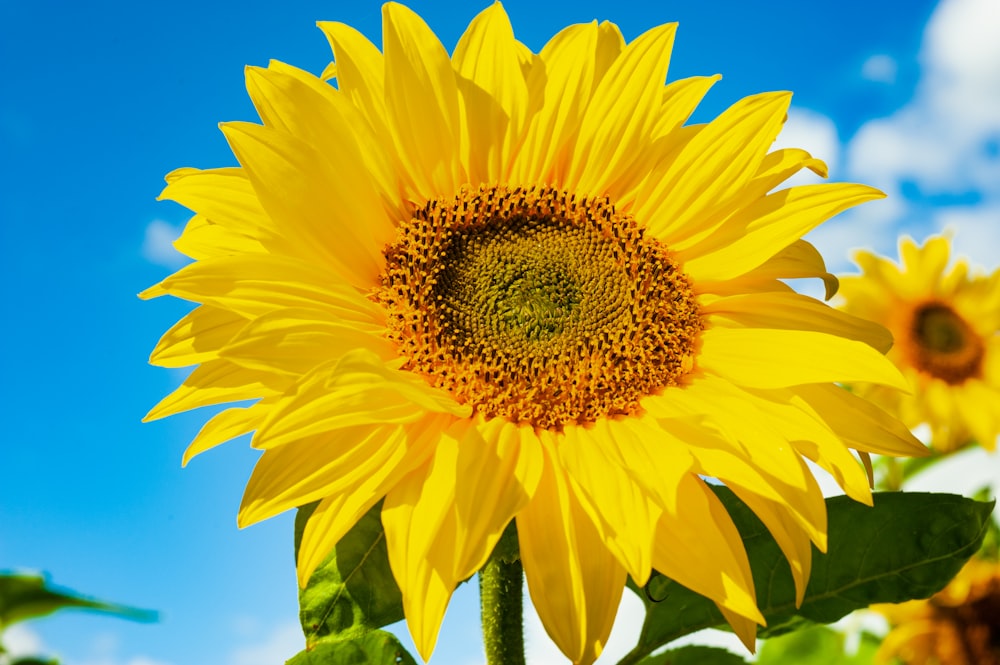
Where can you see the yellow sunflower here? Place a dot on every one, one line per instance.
(947, 330)
(959, 625)
(504, 286)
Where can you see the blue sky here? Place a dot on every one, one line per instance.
(99, 100)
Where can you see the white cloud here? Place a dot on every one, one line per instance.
(946, 141)
(975, 232)
(19, 640)
(880, 68)
(279, 645)
(158, 245)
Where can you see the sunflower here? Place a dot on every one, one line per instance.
(959, 625)
(947, 330)
(506, 286)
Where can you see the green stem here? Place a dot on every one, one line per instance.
(500, 599)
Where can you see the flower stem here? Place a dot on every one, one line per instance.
(500, 598)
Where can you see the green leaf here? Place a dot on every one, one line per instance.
(909, 545)
(694, 655)
(353, 590)
(817, 645)
(35, 660)
(377, 647)
(28, 595)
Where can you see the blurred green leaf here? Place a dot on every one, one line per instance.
(28, 595)
(909, 545)
(377, 647)
(353, 590)
(694, 655)
(34, 660)
(817, 645)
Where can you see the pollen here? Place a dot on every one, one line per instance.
(944, 345)
(536, 306)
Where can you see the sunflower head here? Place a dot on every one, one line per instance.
(503, 285)
(959, 625)
(946, 326)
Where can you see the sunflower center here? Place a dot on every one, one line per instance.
(538, 307)
(945, 345)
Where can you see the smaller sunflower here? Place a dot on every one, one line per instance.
(959, 625)
(946, 326)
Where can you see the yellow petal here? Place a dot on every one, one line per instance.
(764, 358)
(253, 285)
(724, 154)
(797, 261)
(768, 472)
(422, 102)
(699, 547)
(317, 206)
(790, 537)
(295, 340)
(745, 629)
(495, 106)
(224, 426)
(298, 103)
(860, 423)
(353, 460)
(358, 389)
(223, 196)
(625, 513)
(564, 83)
(497, 471)
(622, 112)
(574, 582)
(775, 221)
(204, 239)
(216, 382)
(358, 490)
(792, 311)
(197, 337)
(679, 100)
(360, 71)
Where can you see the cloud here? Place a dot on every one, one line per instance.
(158, 245)
(19, 640)
(279, 645)
(102, 649)
(975, 232)
(939, 154)
(880, 68)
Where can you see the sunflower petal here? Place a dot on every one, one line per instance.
(358, 389)
(622, 112)
(766, 358)
(791, 311)
(294, 340)
(730, 147)
(421, 97)
(684, 545)
(861, 424)
(197, 337)
(487, 55)
(223, 427)
(775, 221)
(574, 582)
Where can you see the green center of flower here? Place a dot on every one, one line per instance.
(944, 344)
(535, 306)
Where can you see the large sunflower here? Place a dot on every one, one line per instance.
(947, 330)
(513, 286)
(959, 625)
